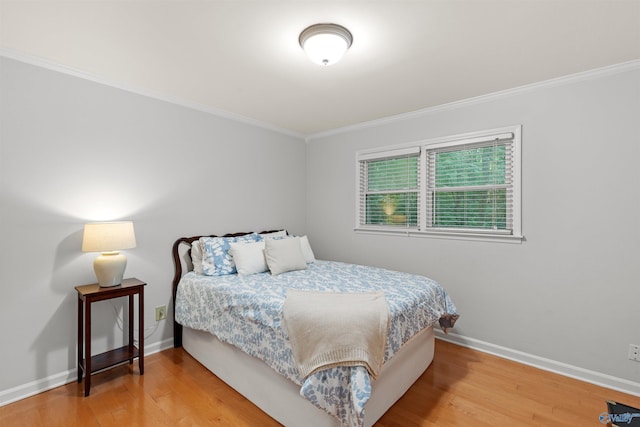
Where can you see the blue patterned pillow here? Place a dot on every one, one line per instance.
(216, 260)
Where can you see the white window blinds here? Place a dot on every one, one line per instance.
(389, 184)
(470, 185)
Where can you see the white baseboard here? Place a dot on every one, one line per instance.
(56, 380)
(34, 387)
(593, 377)
(597, 378)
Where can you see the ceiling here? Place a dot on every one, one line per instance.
(242, 58)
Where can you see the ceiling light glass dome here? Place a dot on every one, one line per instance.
(325, 44)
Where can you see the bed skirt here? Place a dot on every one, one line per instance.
(280, 398)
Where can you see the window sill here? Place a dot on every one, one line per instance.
(451, 235)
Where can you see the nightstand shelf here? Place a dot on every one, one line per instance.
(89, 364)
(113, 357)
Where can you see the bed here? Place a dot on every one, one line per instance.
(237, 322)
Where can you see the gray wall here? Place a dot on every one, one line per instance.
(73, 151)
(571, 292)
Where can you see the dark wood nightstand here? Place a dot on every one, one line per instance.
(88, 294)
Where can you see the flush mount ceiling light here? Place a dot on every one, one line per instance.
(325, 43)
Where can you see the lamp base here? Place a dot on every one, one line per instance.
(109, 268)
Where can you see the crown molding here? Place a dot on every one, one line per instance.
(558, 81)
(572, 78)
(53, 66)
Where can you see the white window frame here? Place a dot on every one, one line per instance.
(397, 152)
(423, 230)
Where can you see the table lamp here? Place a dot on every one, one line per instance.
(109, 238)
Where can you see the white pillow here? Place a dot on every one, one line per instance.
(196, 257)
(248, 257)
(284, 255)
(281, 233)
(306, 250)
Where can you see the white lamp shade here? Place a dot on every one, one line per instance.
(109, 238)
(325, 44)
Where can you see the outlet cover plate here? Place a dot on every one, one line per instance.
(161, 312)
(634, 352)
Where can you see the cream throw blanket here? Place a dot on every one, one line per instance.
(328, 329)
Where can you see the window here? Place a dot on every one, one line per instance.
(465, 186)
(389, 192)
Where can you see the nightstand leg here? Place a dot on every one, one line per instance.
(80, 341)
(131, 328)
(141, 331)
(87, 349)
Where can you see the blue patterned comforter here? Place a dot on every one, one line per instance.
(246, 311)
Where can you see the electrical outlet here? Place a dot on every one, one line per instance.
(161, 312)
(634, 352)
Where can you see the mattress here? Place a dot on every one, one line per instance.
(280, 398)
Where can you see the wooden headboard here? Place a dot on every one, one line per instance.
(183, 265)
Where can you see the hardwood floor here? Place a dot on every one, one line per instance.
(462, 387)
